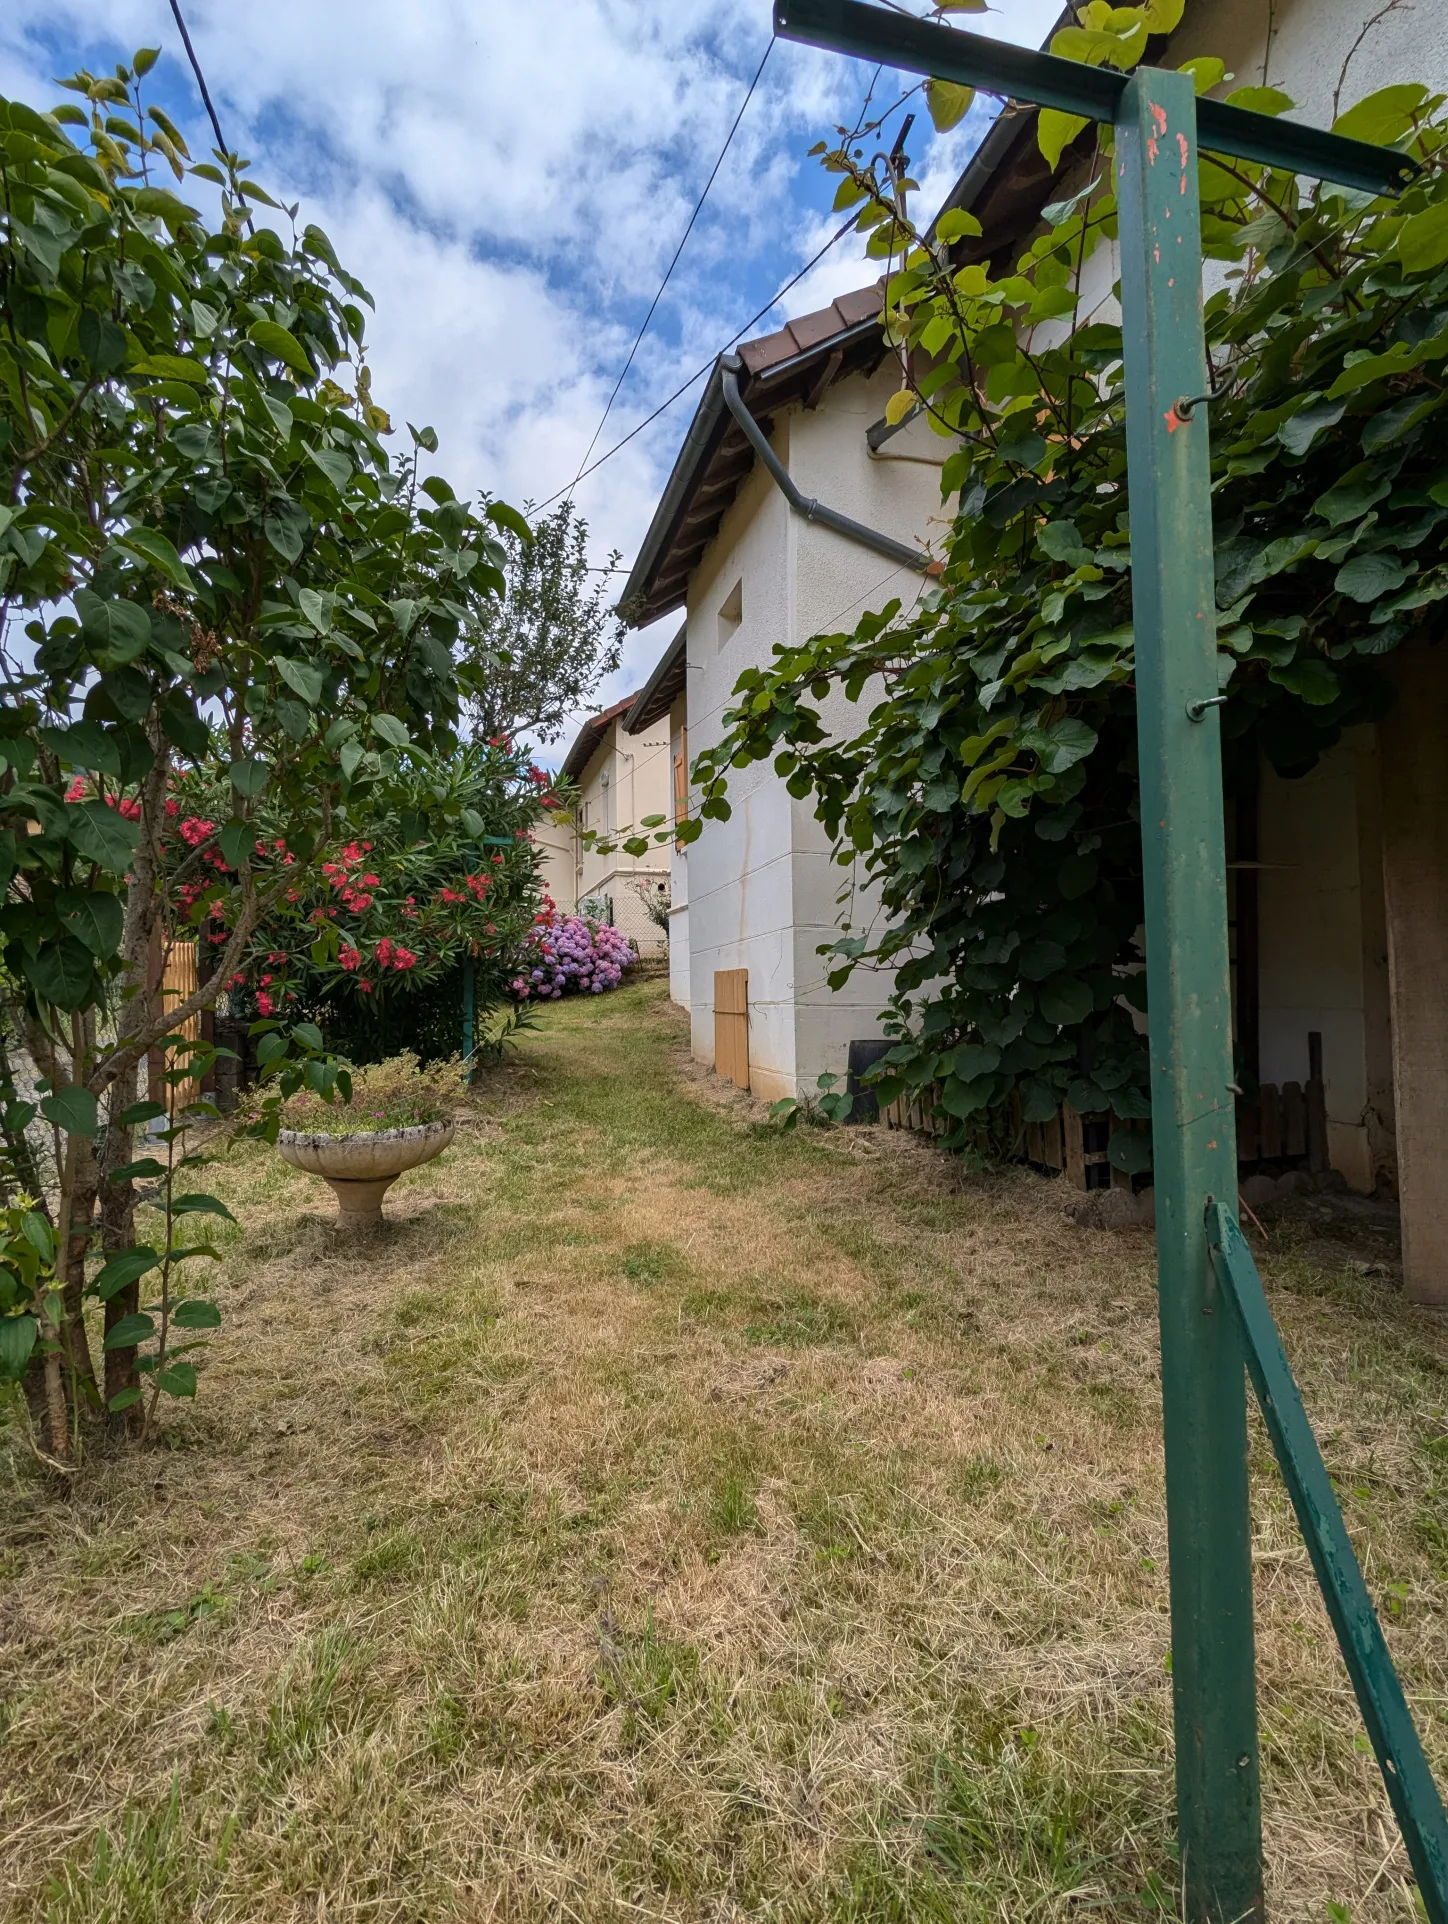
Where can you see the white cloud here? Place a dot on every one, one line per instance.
(510, 181)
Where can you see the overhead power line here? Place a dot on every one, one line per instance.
(699, 372)
(668, 272)
(200, 77)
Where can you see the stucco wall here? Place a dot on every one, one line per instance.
(761, 887)
(626, 778)
(1312, 974)
(554, 841)
(741, 900)
(1299, 46)
(678, 867)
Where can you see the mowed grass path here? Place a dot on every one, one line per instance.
(668, 1518)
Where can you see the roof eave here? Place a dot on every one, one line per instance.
(659, 692)
(698, 442)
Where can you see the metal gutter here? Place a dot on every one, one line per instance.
(803, 504)
(859, 332)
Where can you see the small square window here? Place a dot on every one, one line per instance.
(731, 613)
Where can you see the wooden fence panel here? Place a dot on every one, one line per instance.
(178, 982)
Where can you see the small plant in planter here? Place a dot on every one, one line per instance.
(400, 1115)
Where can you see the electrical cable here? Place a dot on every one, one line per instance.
(668, 272)
(699, 372)
(200, 77)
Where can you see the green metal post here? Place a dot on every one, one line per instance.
(469, 996)
(1189, 998)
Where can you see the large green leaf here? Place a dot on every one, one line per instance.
(17, 1340)
(73, 1109)
(196, 1313)
(84, 744)
(126, 1266)
(948, 102)
(101, 342)
(62, 973)
(390, 730)
(93, 917)
(304, 678)
(102, 834)
(171, 367)
(200, 1205)
(130, 1331)
(1064, 999)
(249, 777)
(280, 345)
(154, 549)
(1384, 116)
(122, 628)
(237, 841)
(1313, 680)
(1366, 576)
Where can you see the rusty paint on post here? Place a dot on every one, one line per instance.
(1189, 998)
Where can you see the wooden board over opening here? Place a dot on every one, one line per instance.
(731, 1025)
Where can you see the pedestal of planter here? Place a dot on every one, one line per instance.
(360, 1170)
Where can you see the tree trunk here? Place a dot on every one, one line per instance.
(57, 1425)
(76, 1234)
(137, 1006)
(17, 1144)
(118, 1231)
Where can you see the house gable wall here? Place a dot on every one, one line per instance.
(761, 888)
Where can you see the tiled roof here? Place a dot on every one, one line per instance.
(586, 741)
(795, 364)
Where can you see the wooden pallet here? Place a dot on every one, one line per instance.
(1286, 1124)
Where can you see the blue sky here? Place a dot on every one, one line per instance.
(510, 179)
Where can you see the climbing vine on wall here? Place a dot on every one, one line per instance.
(992, 790)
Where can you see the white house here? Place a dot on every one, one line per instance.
(620, 779)
(759, 892)
(1340, 878)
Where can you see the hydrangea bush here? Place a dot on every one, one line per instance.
(571, 952)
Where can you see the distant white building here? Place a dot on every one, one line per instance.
(620, 779)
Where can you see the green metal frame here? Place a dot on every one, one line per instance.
(1409, 1782)
(1194, 1142)
(1045, 80)
(1212, 1311)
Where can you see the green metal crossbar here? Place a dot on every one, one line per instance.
(1045, 80)
(1158, 123)
(1409, 1782)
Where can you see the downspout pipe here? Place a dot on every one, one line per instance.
(803, 504)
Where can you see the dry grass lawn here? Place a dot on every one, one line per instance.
(665, 1518)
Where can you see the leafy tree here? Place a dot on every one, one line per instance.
(444, 875)
(230, 581)
(541, 649)
(993, 791)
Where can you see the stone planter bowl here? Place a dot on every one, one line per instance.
(361, 1169)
